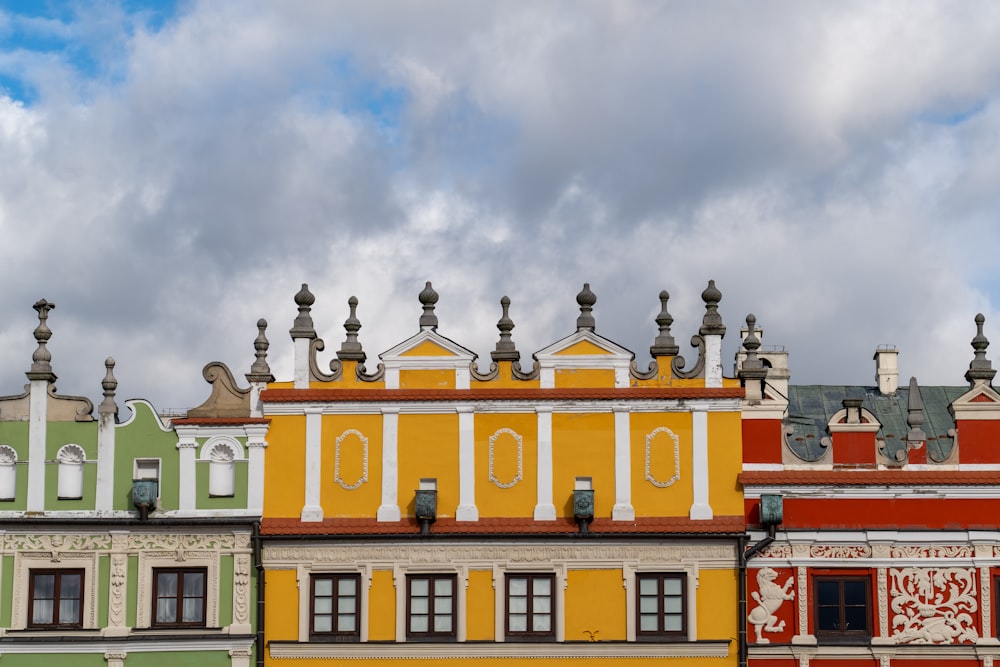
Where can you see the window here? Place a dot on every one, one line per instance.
(430, 606)
(842, 607)
(529, 607)
(335, 606)
(56, 599)
(179, 597)
(662, 602)
(148, 469)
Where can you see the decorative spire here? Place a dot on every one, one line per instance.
(915, 413)
(664, 344)
(586, 299)
(41, 369)
(505, 349)
(302, 327)
(428, 297)
(980, 370)
(711, 324)
(351, 349)
(752, 372)
(109, 384)
(260, 371)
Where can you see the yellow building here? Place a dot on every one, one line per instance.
(581, 511)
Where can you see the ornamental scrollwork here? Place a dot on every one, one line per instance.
(520, 458)
(181, 542)
(677, 458)
(241, 589)
(933, 551)
(840, 551)
(364, 460)
(934, 605)
(56, 543)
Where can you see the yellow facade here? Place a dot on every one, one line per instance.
(432, 512)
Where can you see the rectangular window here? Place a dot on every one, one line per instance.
(842, 608)
(56, 599)
(179, 597)
(529, 607)
(430, 607)
(148, 469)
(662, 607)
(335, 606)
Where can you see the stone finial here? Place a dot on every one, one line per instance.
(260, 371)
(302, 327)
(664, 344)
(428, 297)
(351, 348)
(980, 370)
(41, 368)
(586, 299)
(505, 349)
(711, 324)
(915, 413)
(109, 384)
(752, 371)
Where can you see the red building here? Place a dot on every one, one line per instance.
(874, 514)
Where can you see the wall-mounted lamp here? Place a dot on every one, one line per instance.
(583, 503)
(144, 492)
(426, 504)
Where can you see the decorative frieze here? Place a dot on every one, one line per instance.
(241, 590)
(777, 551)
(117, 601)
(933, 551)
(181, 543)
(840, 551)
(934, 605)
(882, 586)
(55, 543)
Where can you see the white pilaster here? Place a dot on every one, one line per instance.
(256, 407)
(301, 369)
(467, 510)
(700, 509)
(255, 467)
(38, 406)
(312, 510)
(186, 483)
(623, 510)
(105, 461)
(389, 510)
(545, 510)
(713, 361)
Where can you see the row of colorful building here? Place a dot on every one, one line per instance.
(570, 508)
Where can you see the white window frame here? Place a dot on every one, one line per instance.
(144, 592)
(24, 564)
(303, 575)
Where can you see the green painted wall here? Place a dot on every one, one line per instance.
(202, 659)
(58, 434)
(50, 659)
(15, 434)
(104, 590)
(6, 591)
(142, 438)
(226, 591)
(132, 585)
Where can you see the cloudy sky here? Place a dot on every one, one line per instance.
(169, 173)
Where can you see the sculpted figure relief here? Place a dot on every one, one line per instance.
(769, 598)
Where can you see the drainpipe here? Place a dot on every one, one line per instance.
(259, 564)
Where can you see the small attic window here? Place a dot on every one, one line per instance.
(148, 469)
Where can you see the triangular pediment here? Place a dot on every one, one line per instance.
(428, 344)
(585, 344)
(980, 402)
(428, 348)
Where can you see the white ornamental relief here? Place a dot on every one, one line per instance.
(364, 460)
(181, 542)
(241, 589)
(934, 605)
(649, 457)
(840, 551)
(777, 551)
(56, 543)
(769, 597)
(948, 551)
(520, 458)
(116, 603)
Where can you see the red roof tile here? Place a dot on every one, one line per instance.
(527, 394)
(870, 477)
(500, 526)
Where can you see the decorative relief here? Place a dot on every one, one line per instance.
(985, 592)
(677, 457)
(933, 551)
(520, 458)
(934, 605)
(71, 453)
(364, 460)
(516, 554)
(241, 589)
(803, 609)
(840, 551)
(769, 597)
(777, 551)
(56, 543)
(116, 604)
(883, 602)
(181, 543)
(8, 456)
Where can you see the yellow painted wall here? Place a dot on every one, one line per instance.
(428, 448)
(505, 378)
(479, 603)
(583, 347)
(284, 469)
(436, 379)
(595, 603)
(583, 445)
(336, 500)
(647, 498)
(427, 348)
(584, 378)
(382, 607)
(519, 500)
(725, 451)
(716, 613)
(281, 621)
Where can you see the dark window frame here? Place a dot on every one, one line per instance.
(179, 598)
(531, 635)
(827, 635)
(57, 599)
(432, 635)
(661, 634)
(335, 635)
